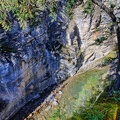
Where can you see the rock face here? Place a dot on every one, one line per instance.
(35, 58)
(93, 28)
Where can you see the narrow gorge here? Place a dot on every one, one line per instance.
(55, 56)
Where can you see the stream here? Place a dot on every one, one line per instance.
(63, 100)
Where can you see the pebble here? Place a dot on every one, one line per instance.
(60, 92)
(48, 108)
(55, 103)
(50, 98)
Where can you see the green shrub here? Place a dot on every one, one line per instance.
(100, 111)
(28, 10)
(57, 115)
(88, 9)
(92, 114)
(23, 10)
(107, 61)
(100, 40)
(70, 4)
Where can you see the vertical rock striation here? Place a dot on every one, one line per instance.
(35, 58)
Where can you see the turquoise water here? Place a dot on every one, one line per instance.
(79, 90)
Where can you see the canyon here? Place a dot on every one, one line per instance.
(38, 57)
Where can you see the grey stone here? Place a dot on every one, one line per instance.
(60, 92)
(48, 108)
(55, 103)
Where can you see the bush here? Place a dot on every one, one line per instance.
(28, 10)
(70, 4)
(100, 40)
(22, 10)
(88, 7)
(92, 114)
(107, 61)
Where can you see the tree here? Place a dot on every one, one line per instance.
(117, 31)
(24, 11)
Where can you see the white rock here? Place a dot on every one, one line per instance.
(55, 103)
(60, 92)
(50, 98)
(48, 108)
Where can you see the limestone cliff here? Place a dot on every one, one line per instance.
(38, 57)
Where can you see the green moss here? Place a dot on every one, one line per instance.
(111, 54)
(108, 58)
(100, 40)
(85, 85)
(75, 118)
(106, 108)
(24, 11)
(81, 87)
(100, 111)
(78, 92)
(70, 5)
(118, 113)
(89, 7)
(57, 115)
(92, 88)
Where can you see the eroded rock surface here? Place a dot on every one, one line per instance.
(35, 58)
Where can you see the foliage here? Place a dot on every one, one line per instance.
(92, 89)
(58, 115)
(28, 10)
(99, 111)
(100, 40)
(23, 10)
(53, 8)
(70, 4)
(112, 5)
(116, 96)
(92, 114)
(89, 7)
(107, 61)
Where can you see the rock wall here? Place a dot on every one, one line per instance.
(93, 28)
(35, 58)
(32, 60)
